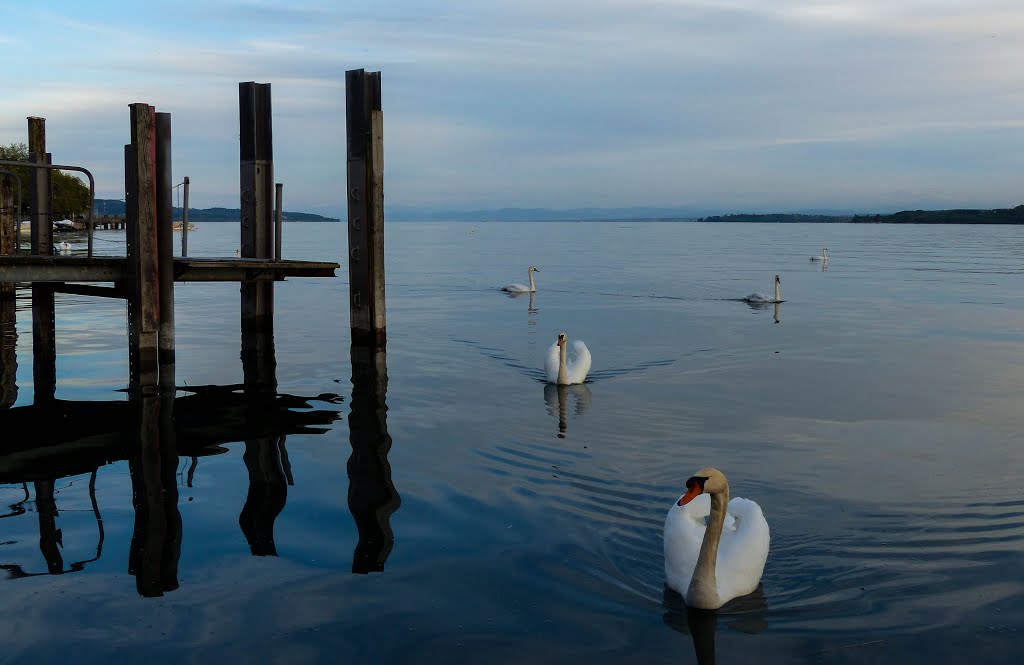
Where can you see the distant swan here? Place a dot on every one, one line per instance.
(823, 257)
(715, 549)
(64, 246)
(563, 371)
(520, 288)
(762, 299)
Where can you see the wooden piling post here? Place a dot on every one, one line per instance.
(8, 228)
(278, 219)
(257, 181)
(365, 177)
(8, 309)
(165, 248)
(184, 221)
(40, 192)
(140, 211)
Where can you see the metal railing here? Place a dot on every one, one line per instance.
(60, 167)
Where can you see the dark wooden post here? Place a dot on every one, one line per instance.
(365, 170)
(9, 220)
(372, 497)
(8, 228)
(40, 193)
(140, 211)
(257, 180)
(184, 221)
(278, 218)
(165, 248)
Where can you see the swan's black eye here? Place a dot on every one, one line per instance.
(698, 480)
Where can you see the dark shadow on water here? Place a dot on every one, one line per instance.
(746, 615)
(372, 497)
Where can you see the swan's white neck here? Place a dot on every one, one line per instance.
(533, 288)
(703, 591)
(778, 292)
(563, 373)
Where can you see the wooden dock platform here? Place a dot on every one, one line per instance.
(42, 268)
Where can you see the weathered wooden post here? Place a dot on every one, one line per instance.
(365, 171)
(257, 180)
(372, 497)
(40, 192)
(8, 314)
(165, 249)
(184, 221)
(278, 219)
(140, 213)
(44, 346)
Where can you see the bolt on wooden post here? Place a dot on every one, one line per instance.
(365, 194)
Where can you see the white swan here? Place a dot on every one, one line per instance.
(520, 288)
(713, 553)
(64, 247)
(762, 299)
(565, 371)
(823, 257)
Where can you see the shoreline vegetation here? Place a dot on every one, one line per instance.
(956, 216)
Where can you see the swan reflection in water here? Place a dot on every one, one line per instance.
(557, 399)
(745, 615)
(761, 306)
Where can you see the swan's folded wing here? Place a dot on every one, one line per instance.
(551, 363)
(578, 365)
(743, 550)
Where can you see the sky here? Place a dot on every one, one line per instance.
(731, 105)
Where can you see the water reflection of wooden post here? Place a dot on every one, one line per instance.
(372, 497)
(365, 169)
(49, 535)
(141, 217)
(152, 463)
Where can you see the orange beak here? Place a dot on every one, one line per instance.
(690, 495)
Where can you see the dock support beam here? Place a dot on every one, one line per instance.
(365, 177)
(140, 209)
(9, 220)
(44, 348)
(165, 249)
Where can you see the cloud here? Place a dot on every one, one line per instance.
(533, 102)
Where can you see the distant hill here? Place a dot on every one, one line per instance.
(959, 216)
(779, 218)
(115, 208)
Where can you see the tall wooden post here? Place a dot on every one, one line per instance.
(8, 308)
(140, 211)
(365, 170)
(165, 248)
(184, 220)
(257, 190)
(278, 218)
(40, 193)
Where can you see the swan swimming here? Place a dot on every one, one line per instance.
(563, 371)
(762, 299)
(520, 288)
(64, 246)
(715, 549)
(823, 257)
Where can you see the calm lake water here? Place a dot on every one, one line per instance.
(876, 416)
